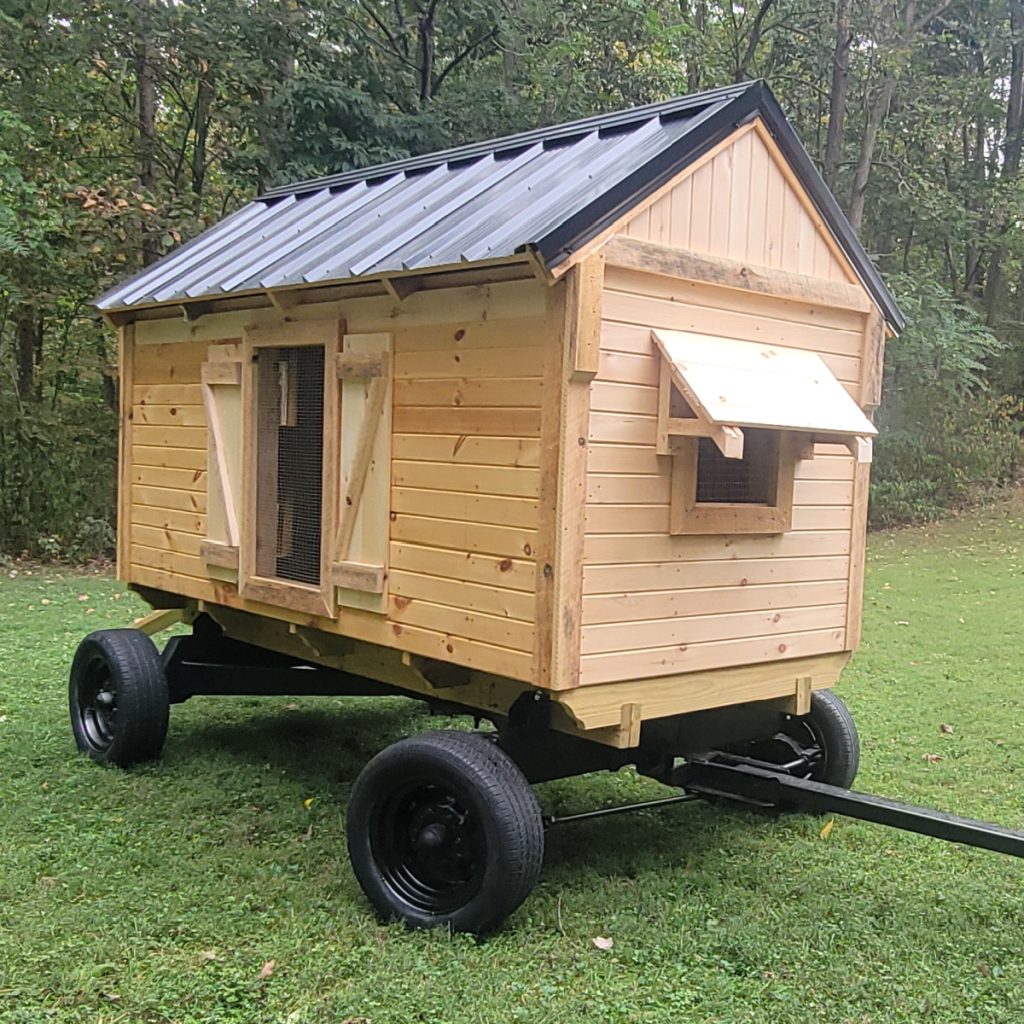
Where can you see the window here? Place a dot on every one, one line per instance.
(752, 494)
(750, 480)
(736, 416)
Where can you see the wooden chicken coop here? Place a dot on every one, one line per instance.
(570, 430)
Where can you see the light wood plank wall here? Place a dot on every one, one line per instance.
(465, 477)
(168, 460)
(655, 604)
(465, 467)
(740, 204)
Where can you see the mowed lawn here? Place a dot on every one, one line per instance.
(161, 894)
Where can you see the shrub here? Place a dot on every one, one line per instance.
(57, 478)
(945, 436)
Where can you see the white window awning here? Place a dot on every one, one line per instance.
(730, 384)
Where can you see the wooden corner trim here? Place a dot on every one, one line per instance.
(583, 317)
(126, 358)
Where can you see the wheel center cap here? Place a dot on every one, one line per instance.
(432, 837)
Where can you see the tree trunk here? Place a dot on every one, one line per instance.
(897, 33)
(995, 284)
(145, 112)
(837, 95)
(425, 51)
(510, 47)
(28, 328)
(696, 18)
(204, 99)
(741, 72)
(876, 115)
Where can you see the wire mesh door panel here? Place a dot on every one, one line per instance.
(289, 462)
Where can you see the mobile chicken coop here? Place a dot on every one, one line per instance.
(569, 431)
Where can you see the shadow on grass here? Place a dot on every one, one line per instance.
(324, 749)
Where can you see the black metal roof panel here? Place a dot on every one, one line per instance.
(550, 190)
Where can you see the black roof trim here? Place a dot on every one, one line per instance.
(755, 99)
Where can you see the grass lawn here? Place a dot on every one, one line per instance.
(160, 894)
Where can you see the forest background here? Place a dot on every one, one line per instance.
(127, 126)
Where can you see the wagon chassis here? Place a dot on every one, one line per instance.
(206, 663)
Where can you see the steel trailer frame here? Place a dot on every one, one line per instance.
(206, 663)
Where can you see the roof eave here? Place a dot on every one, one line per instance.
(526, 258)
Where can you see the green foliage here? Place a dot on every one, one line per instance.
(331, 128)
(251, 93)
(57, 468)
(945, 436)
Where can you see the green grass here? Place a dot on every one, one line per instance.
(158, 894)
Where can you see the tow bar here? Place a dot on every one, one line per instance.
(720, 776)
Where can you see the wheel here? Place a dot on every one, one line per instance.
(443, 829)
(118, 697)
(829, 726)
(822, 745)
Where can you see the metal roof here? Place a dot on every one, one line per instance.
(548, 190)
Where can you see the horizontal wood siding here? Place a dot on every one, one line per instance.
(465, 478)
(656, 604)
(168, 460)
(743, 203)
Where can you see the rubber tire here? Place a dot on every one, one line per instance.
(833, 726)
(143, 707)
(500, 797)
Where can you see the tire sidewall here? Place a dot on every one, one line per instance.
(831, 722)
(383, 776)
(141, 695)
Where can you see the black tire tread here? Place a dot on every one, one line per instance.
(143, 705)
(504, 791)
(830, 718)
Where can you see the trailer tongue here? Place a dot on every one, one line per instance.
(722, 776)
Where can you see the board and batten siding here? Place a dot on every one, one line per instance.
(656, 604)
(465, 477)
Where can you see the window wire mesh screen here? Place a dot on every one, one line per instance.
(289, 462)
(747, 481)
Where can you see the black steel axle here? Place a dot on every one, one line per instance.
(604, 812)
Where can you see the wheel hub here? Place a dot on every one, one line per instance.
(430, 847)
(794, 750)
(432, 838)
(97, 707)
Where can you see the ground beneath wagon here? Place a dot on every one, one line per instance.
(213, 887)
